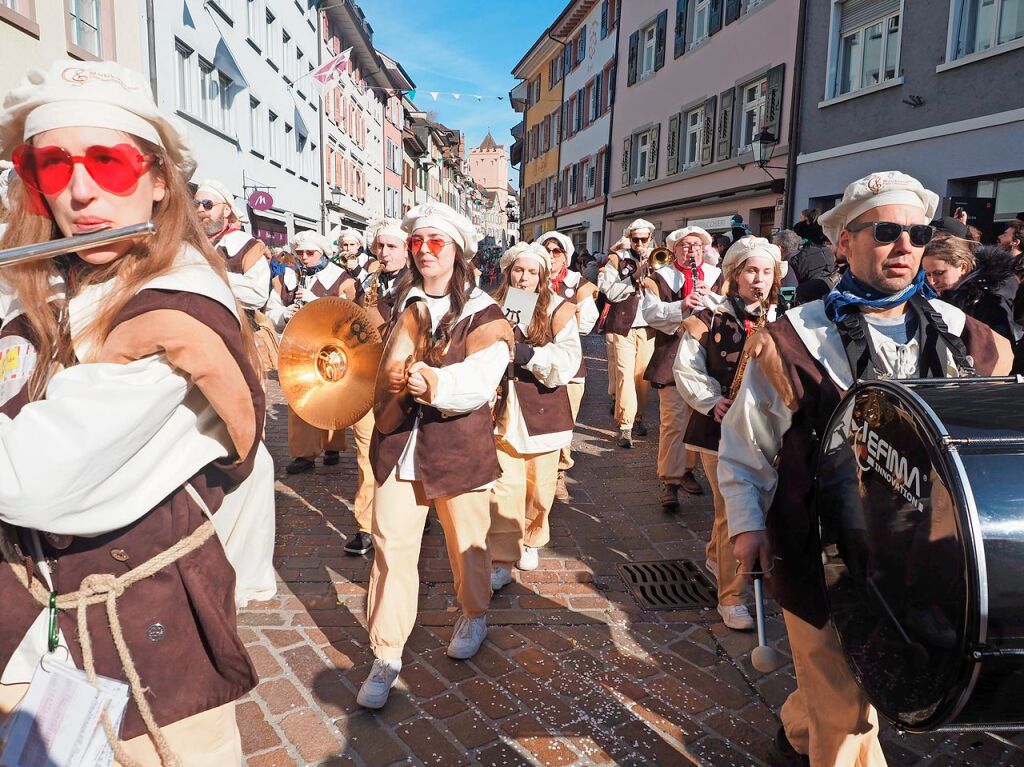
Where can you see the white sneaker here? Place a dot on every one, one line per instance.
(469, 634)
(529, 559)
(500, 578)
(736, 617)
(375, 690)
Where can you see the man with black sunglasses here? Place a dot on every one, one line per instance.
(631, 340)
(881, 320)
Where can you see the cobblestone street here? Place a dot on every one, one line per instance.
(573, 671)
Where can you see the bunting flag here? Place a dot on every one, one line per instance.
(434, 95)
(328, 74)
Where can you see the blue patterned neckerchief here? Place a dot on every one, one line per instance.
(851, 292)
(309, 271)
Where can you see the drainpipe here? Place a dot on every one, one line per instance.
(605, 231)
(794, 117)
(151, 34)
(561, 105)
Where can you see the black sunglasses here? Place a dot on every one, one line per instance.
(886, 232)
(205, 204)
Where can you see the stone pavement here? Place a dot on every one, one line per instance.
(573, 672)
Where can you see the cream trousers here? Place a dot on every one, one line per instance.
(399, 511)
(521, 502)
(731, 585)
(674, 460)
(632, 353)
(575, 390)
(306, 441)
(362, 431)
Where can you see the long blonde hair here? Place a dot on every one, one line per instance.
(177, 225)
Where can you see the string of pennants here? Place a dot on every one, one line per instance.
(435, 95)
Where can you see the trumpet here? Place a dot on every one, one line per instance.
(53, 248)
(661, 257)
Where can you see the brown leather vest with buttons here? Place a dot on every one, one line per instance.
(723, 345)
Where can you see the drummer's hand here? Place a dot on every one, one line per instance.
(749, 548)
(721, 408)
(306, 296)
(417, 385)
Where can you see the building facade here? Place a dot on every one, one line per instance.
(918, 87)
(698, 82)
(488, 165)
(587, 70)
(34, 33)
(539, 98)
(394, 127)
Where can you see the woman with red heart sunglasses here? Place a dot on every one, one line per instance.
(133, 411)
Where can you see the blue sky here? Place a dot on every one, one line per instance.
(455, 46)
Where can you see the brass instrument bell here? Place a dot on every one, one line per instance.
(661, 257)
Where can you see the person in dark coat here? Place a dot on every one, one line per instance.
(808, 228)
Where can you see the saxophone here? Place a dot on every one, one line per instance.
(762, 320)
(373, 290)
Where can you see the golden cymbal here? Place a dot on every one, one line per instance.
(329, 355)
(404, 346)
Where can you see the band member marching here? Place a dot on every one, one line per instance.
(631, 339)
(535, 420)
(315, 278)
(570, 286)
(247, 260)
(387, 243)
(443, 453)
(352, 255)
(145, 399)
(880, 320)
(671, 293)
(710, 346)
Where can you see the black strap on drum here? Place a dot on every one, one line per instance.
(936, 338)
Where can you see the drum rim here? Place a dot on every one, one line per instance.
(950, 705)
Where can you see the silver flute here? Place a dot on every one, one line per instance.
(52, 248)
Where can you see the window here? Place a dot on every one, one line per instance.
(187, 101)
(648, 43)
(595, 97)
(85, 24)
(286, 57)
(276, 138)
(290, 146)
(253, 17)
(701, 21)
(985, 24)
(257, 126)
(214, 102)
(753, 107)
(641, 157)
(868, 55)
(581, 45)
(693, 138)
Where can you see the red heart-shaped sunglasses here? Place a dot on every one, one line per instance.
(48, 169)
(434, 244)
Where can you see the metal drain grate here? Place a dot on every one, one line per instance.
(669, 585)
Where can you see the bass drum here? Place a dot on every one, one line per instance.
(920, 490)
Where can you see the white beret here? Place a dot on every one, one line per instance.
(889, 187)
(638, 224)
(679, 234)
(94, 94)
(217, 192)
(747, 247)
(310, 240)
(437, 215)
(383, 228)
(531, 250)
(564, 241)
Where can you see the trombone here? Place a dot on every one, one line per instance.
(52, 248)
(660, 257)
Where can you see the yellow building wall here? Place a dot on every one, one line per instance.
(540, 168)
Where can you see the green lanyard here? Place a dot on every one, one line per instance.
(54, 632)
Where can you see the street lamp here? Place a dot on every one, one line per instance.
(336, 196)
(764, 147)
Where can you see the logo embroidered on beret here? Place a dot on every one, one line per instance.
(81, 76)
(875, 184)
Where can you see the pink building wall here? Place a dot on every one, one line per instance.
(760, 39)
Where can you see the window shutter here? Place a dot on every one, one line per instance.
(592, 177)
(558, 124)
(715, 20)
(604, 19)
(581, 103)
(732, 10)
(723, 141)
(773, 100)
(652, 162)
(572, 184)
(583, 42)
(672, 145)
(659, 40)
(634, 49)
(858, 13)
(627, 144)
(681, 11)
(707, 136)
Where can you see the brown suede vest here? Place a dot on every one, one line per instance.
(236, 263)
(180, 624)
(798, 580)
(452, 455)
(724, 345)
(659, 369)
(573, 294)
(621, 316)
(545, 410)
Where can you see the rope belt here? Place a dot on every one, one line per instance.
(106, 588)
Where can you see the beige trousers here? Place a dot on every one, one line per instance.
(828, 717)
(575, 390)
(399, 511)
(362, 431)
(209, 739)
(674, 459)
(731, 585)
(609, 347)
(521, 502)
(632, 354)
(306, 441)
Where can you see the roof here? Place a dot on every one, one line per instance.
(488, 144)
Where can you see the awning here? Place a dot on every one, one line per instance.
(225, 62)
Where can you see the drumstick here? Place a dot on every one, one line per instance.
(764, 658)
(918, 652)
